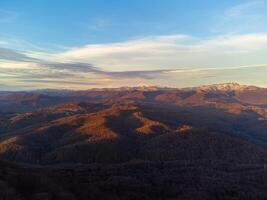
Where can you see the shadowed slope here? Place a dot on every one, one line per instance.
(128, 131)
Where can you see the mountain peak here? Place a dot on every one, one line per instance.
(224, 87)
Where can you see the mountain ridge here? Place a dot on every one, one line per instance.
(130, 143)
(223, 86)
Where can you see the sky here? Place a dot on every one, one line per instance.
(84, 44)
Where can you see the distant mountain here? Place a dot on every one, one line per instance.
(245, 94)
(231, 92)
(225, 87)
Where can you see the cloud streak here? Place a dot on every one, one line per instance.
(247, 17)
(8, 54)
(151, 60)
(240, 10)
(174, 51)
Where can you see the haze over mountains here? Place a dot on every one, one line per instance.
(207, 142)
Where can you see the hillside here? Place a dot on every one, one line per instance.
(135, 143)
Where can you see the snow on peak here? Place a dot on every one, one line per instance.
(224, 87)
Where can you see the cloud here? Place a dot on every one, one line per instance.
(164, 60)
(8, 54)
(174, 51)
(241, 9)
(45, 81)
(138, 47)
(73, 67)
(149, 74)
(247, 17)
(88, 68)
(152, 53)
(218, 69)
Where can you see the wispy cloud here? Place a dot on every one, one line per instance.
(8, 54)
(243, 18)
(241, 10)
(152, 60)
(175, 51)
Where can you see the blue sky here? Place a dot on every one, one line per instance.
(111, 43)
(81, 22)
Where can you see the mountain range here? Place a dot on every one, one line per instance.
(147, 142)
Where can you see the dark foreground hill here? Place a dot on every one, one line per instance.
(137, 179)
(135, 143)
